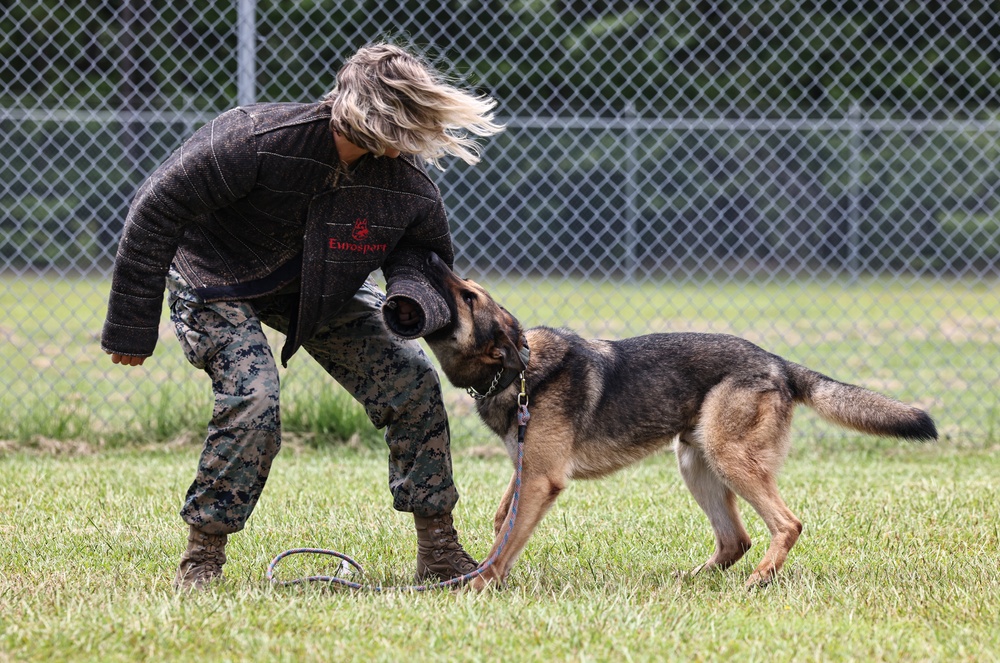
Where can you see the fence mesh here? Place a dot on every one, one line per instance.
(819, 177)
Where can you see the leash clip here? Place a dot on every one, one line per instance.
(522, 403)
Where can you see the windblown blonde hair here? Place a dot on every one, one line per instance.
(386, 97)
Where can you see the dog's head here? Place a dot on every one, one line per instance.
(482, 339)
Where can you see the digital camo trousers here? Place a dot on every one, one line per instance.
(393, 379)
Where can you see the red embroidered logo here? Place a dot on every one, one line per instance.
(360, 232)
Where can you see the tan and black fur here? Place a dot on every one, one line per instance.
(596, 406)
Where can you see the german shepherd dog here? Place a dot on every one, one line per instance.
(596, 406)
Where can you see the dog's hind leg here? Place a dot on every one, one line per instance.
(762, 494)
(717, 501)
(745, 440)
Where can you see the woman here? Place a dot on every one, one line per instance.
(277, 214)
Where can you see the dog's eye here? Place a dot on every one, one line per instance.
(469, 297)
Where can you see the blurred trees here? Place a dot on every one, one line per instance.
(714, 57)
(691, 146)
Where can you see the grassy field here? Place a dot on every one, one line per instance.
(898, 562)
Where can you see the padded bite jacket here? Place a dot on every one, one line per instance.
(256, 199)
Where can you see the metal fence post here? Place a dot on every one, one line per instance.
(631, 214)
(854, 193)
(246, 52)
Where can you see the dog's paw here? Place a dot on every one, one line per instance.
(478, 584)
(758, 580)
(484, 583)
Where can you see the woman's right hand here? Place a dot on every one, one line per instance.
(126, 360)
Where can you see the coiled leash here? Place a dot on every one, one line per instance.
(522, 425)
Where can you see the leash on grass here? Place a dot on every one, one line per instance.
(522, 425)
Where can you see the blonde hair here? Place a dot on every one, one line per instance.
(386, 97)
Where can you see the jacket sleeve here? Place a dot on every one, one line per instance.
(405, 278)
(212, 169)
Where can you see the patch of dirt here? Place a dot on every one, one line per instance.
(51, 447)
(294, 443)
(486, 451)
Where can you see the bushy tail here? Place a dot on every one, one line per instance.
(858, 408)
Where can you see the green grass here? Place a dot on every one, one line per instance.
(932, 342)
(898, 562)
(899, 559)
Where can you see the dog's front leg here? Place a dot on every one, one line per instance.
(538, 494)
(504, 509)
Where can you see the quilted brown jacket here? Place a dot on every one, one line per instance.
(252, 195)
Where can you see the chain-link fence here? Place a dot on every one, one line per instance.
(820, 177)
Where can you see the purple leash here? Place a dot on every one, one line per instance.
(522, 425)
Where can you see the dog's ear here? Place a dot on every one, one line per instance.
(513, 354)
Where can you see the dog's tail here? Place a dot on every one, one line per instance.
(858, 408)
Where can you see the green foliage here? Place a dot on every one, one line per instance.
(859, 62)
(733, 55)
(847, 198)
(316, 408)
(970, 237)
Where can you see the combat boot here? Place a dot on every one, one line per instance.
(439, 554)
(202, 562)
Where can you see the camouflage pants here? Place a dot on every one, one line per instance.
(393, 379)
